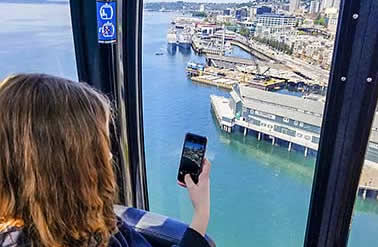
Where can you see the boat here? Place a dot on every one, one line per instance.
(172, 38)
(185, 40)
(159, 53)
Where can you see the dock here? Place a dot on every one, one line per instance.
(200, 49)
(228, 122)
(225, 78)
(276, 71)
(214, 81)
(222, 111)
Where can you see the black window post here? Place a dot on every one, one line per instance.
(115, 69)
(349, 112)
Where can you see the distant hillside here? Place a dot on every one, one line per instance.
(181, 5)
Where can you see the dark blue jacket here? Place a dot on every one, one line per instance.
(125, 237)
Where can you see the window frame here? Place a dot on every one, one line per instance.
(337, 170)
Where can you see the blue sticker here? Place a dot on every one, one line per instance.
(107, 22)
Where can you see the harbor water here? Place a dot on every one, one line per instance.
(260, 193)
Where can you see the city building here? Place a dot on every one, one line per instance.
(263, 10)
(294, 6)
(282, 119)
(241, 14)
(314, 7)
(202, 8)
(248, 25)
(227, 12)
(330, 4)
(332, 15)
(313, 49)
(225, 19)
(275, 22)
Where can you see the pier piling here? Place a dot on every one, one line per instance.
(364, 192)
(259, 136)
(306, 152)
(289, 148)
(245, 131)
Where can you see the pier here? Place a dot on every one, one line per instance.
(222, 112)
(200, 49)
(213, 59)
(288, 127)
(214, 81)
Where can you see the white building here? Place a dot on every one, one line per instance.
(332, 15)
(330, 4)
(202, 8)
(275, 22)
(314, 7)
(225, 19)
(294, 6)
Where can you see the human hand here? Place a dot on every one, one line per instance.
(200, 196)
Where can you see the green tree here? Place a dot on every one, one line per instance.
(244, 31)
(320, 20)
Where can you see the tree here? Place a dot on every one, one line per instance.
(244, 31)
(320, 20)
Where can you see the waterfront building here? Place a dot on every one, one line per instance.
(276, 22)
(294, 6)
(283, 119)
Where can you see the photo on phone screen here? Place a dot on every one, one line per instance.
(192, 156)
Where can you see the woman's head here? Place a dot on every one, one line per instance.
(55, 166)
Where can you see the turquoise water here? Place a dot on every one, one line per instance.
(260, 192)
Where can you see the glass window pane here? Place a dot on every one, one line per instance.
(36, 36)
(253, 79)
(364, 225)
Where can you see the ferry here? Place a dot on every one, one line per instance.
(172, 37)
(185, 40)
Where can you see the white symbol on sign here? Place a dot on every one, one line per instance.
(107, 30)
(106, 12)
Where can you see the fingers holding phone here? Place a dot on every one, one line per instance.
(200, 196)
(200, 193)
(194, 174)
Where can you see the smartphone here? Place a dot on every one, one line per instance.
(192, 156)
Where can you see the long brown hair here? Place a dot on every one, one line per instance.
(56, 172)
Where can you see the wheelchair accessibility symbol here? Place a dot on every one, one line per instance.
(106, 12)
(107, 30)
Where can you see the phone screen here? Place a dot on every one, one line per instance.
(192, 156)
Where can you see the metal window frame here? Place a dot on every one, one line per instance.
(351, 103)
(115, 69)
(348, 116)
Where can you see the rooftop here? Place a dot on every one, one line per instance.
(304, 110)
(274, 15)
